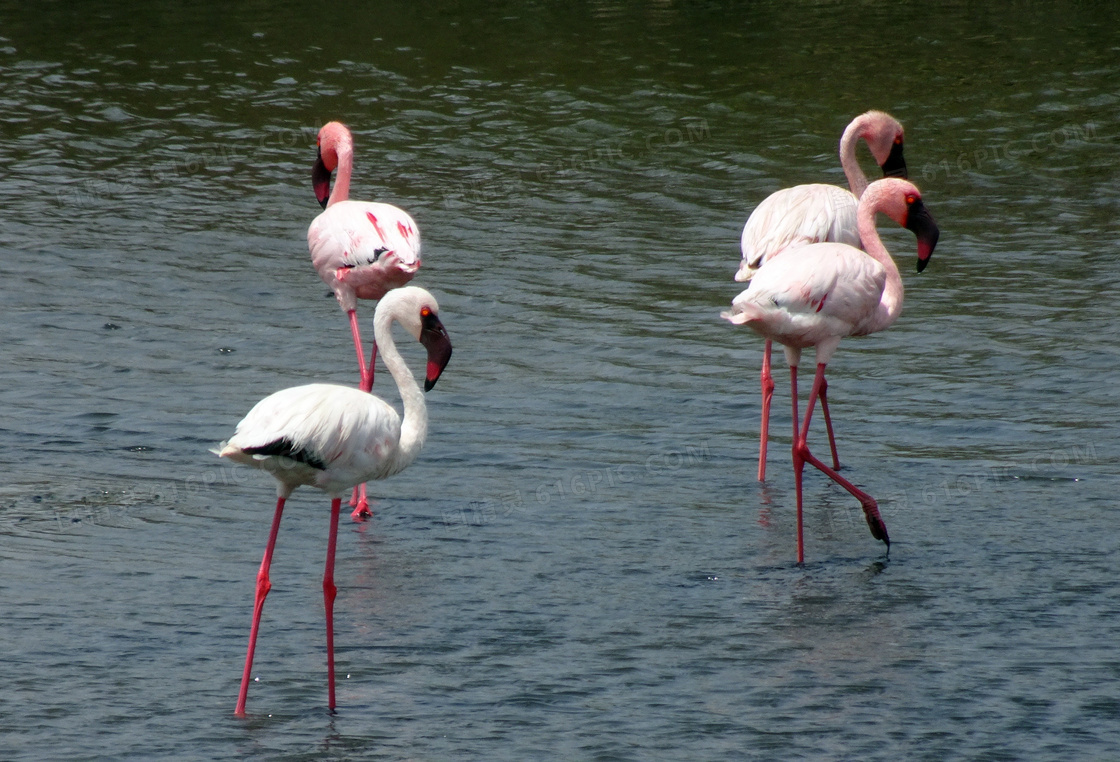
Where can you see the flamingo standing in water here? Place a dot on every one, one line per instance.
(816, 213)
(829, 291)
(334, 437)
(361, 249)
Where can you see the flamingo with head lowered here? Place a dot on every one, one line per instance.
(361, 249)
(829, 291)
(815, 213)
(334, 437)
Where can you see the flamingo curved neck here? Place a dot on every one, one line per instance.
(341, 190)
(414, 422)
(890, 305)
(857, 180)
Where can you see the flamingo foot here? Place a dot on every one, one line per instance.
(360, 504)
(875, 522)
(870, 507)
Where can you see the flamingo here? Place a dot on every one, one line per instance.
(361, 249)
(816, 213)
(334, 437)
(829, 291)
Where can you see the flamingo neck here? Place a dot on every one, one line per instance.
(857, 180)
(890, 304)
(414, 423)
(341, 190)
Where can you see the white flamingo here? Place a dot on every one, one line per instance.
(816, 213)
(829, 291)
(361, 249)
(334, 437)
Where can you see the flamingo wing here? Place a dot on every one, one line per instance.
(815, 298)
(326, 435)
(797, 216)
(363, 249)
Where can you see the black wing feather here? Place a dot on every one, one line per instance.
(286, 448)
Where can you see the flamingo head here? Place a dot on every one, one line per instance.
(884, 136)
(920, 222)
(902, 201)
(417, 310)
(435, 339)
(334, 141)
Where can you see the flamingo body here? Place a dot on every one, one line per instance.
(363, 249)
(320, 435)
(797, 216)
(829, 290)
(334, 437)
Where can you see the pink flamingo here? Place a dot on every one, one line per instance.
(334, 437)
(816, 213)
(829, 291)
(361, 249)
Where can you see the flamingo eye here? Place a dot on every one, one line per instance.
(898, 140)
(425, 311)
(910, 199)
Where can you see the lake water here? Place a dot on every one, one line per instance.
(581, 564)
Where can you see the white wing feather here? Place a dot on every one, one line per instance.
(376, 245)
(794, 217)
(825, 292)
(353, 433)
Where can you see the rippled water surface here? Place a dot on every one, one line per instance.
(581, 564)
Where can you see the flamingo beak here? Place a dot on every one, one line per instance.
(321, 180)
(745, 273)
(895, 165)
(435, 339)
(920, 222)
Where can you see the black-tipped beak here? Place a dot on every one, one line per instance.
(920, 222)
(435, 339)
(321, 181)
(895, 165)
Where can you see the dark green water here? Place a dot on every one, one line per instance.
(580, 565)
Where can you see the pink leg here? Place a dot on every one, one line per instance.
(870, 507)
(358, 498)
(828, 424)
(366, 382)
(767, 395)
(798, 465)
(263, 586)
(329, 591)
